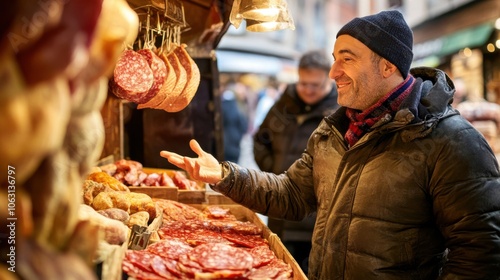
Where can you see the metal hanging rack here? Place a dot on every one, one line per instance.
(160, 20)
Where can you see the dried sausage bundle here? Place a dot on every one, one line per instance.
(132, 78)
(166, 81)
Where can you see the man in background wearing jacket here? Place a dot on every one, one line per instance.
(282, 138)
(403, 186)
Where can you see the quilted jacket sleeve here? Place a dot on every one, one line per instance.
(276, 196)
(465, 188)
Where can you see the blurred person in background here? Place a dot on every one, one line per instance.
(234, 122)
(282, 137)
(267, 98)
(481, 113)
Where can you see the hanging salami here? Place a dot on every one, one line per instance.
(132, 77)
(159, 74)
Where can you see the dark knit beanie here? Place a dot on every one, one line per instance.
(385, 33)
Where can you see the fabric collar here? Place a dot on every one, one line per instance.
(362, 122)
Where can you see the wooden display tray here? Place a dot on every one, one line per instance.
(172, 192)
(244, 214)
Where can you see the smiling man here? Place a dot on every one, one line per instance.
(403, 186)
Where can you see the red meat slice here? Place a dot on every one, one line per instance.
(217, 256)
(265, 272)
(262, 255)
(159, 267)
(245, 240)
(137, 264)
(219, 213)
(241, 227)
(171, 266)
(169, 248)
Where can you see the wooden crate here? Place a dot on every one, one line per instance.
(213, 197)
(244, 214)
(158, 192)
(172, 192)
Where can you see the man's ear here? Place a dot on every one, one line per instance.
(388, 68)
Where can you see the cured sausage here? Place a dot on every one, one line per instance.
(132, 77)
(159, 73)
(193, 80)
(169, 102)
(167, 87)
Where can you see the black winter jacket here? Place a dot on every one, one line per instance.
(418, 185)
(282, 137)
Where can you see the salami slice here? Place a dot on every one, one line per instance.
(140, 259)
(218, 213)
(286, 271)
(137, 264)
(265, 272)
(169, 248)
(159, 73)
(262, 255)
(172, 267)
(236, 227)
(245, 240)
(132, 76)
(217, 256)
(160, 268)
(188, 266)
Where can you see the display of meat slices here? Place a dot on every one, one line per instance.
(202, 248)
(159, 73)
(132, 76)
(167, 87)
(180, 83)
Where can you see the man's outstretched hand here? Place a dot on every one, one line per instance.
(205, 167)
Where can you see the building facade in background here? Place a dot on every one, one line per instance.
(460, 37)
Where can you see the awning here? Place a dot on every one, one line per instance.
(243, 62)
(467, 38)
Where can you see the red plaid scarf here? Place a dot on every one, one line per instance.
(361, 122)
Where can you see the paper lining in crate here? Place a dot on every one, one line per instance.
(196, 195)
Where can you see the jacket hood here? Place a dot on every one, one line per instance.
(431, 95)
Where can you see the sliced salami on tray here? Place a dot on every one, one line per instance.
(205, 247)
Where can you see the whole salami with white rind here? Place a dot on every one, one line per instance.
(132, 77)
